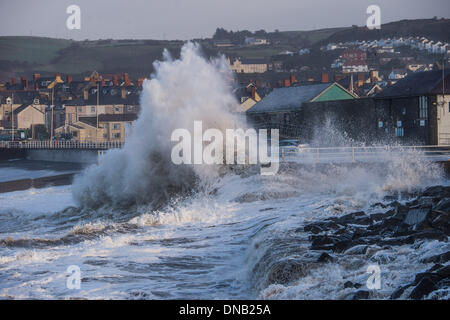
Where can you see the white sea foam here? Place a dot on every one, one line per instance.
(178, 93)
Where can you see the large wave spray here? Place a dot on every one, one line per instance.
(179, 92)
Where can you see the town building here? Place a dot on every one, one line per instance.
(282, 108)
(255, 65)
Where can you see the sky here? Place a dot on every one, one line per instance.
(189, 19)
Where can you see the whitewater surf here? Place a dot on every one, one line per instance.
(140, 227)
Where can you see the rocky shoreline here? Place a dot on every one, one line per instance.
(424, 216)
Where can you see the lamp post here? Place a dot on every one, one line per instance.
(12, 118)
(51, 123)
(96, 111)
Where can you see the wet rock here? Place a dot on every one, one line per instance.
(423, 288)
(354, 217)
(381, 216)
(361, 295)
(437, 192)
(400, 212)
(439, 258)
(325, 257)
(398, 293)
(379, 204)
(350, 284)
(443, 205)
(358, 249)
(313, 228)
(418, 218)
(442, 222)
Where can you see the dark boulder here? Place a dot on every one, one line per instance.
(361, 295)
(439, 258)
(443, 205)
(325, 257)
(423, 289)
(418, 218)
(349, 284)
(437, 192)
(442, 222)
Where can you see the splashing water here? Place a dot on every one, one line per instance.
(179, 92)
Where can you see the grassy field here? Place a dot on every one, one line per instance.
(34, 50)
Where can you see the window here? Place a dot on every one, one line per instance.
(80, 109)
(399, 132)
(380, 124)
(92, 109)
(404, 111)
(449, 107)
(399, 124)
(423, 107)
(116, 109)
(116, 135)
(116, 126)
(422, 123)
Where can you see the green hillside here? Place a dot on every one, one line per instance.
(25, 55)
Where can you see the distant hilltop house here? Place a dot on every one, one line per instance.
(354, 60)
(223, 43)
(255, 65)
(254, 41)
(397, 74)
(304, 51)
(388, 45)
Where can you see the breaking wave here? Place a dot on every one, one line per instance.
(178, 93)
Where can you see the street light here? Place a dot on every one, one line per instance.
(12, 118)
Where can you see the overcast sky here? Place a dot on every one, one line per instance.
(187, 19)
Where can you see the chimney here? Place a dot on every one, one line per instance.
(373, 76)
(287, 83)
(360, 79)
(253, 93)
(85, 94)
(13, 81)
(69, 79)
(36, 76)
(123, 93)
(325, 78)
(293, 80)
(115, 80)
(24, 82)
